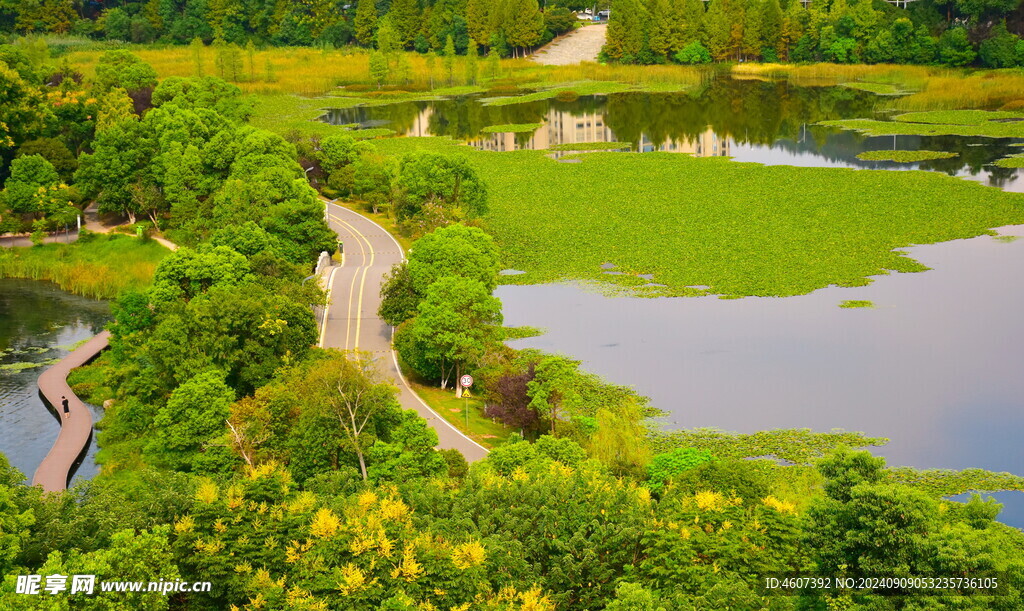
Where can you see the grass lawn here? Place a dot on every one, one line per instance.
(727, 225)
(481, 429)
(101, 267)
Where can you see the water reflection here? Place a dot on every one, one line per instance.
(935, 366)
(38, 323)
(767, 122)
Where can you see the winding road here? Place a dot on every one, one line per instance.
(351, 321)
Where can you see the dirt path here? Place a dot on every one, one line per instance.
(580, 45)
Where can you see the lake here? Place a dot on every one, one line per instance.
(748, 120)
(934, 366)
(39, 323)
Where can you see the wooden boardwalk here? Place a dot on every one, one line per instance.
(55, 470)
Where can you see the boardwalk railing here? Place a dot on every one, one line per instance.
(76, 428)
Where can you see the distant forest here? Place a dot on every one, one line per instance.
(506, 25)
(947, 32)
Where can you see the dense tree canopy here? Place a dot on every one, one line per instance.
(926, 32)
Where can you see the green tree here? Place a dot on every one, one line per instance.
(373, 176)
(552, 391)
(194, 416)
(399, 299)
(693, 53)
(663, 29)
(443, 184)
(406, 18)
(20, 103)
(955, 49)
(625, 36)
(125, 70)
(771, 29)
(378, 67)
(524, 25)
(448, 59)
(471, 62)
(454, 325)
(453, 251)
(365, 22)
(196, 48)
(478, 19)
(54, 151)
(187, 273)
(752, 24)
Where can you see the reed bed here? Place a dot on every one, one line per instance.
(313, 72)
(101, 268)
(1002, 89)
(935, 88)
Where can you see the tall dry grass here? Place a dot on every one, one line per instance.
(1003, 89)
(314, 72)
(935, 88)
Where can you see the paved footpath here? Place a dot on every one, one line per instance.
(581, 45)
(76, 429)
(351, 321)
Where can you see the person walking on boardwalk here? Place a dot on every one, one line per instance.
(64, 402)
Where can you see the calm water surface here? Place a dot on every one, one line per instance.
(38, 323)
(748, 120)
(935, 366)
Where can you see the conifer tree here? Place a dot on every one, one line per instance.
(663, 40)
(689, 15)
(771, 26)
(478, 19)
(718, 25)
(471, 62)
(449, 59)
(752, 29)
(792, 28)
(625, 35)
(525, 23)
(197, 55)
(365, 22)
(405, 18)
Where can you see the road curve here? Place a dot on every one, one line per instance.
(351, 321)
(55, 470)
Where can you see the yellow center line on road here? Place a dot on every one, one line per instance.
(362, 284)
(351, 288)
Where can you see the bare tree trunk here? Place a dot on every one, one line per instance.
(458, 382)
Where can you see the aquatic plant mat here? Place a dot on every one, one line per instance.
(988, 124)
(737, 228)
(904, 156)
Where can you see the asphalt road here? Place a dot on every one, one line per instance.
(351, 321)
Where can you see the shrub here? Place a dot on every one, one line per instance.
(668, 464)
(693, 53)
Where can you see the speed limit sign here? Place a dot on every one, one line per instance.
(466, 381)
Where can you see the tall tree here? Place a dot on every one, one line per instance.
(478, 19)
(625, 35)
(455, 323)
(406, 17)
(664, 29)
(525, 24)
(365, 22)
(771, 28)
(751, 25)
